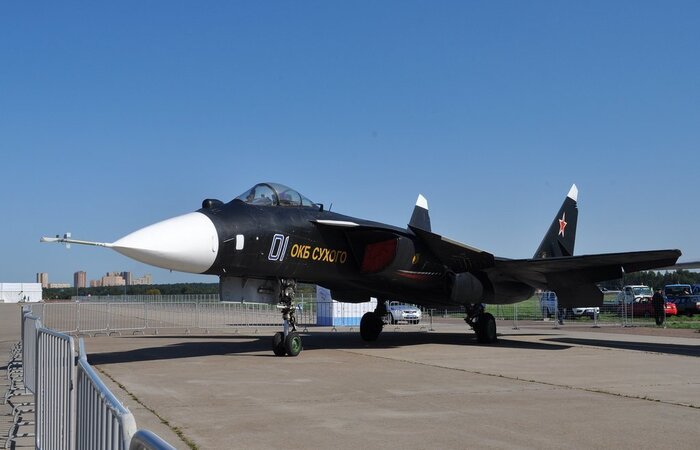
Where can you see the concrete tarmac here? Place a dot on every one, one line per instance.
(536, 388)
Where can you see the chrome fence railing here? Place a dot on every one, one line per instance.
(147, 440)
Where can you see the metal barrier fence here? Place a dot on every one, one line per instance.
(177, 298)
(55, 402)
(147, 440)
(112, 425)
(108, 318)
(74, 409)
(609, 314)
(123, 317)
(30, 325)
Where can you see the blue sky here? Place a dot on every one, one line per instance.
(116, 115)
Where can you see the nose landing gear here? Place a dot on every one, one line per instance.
(287, 342)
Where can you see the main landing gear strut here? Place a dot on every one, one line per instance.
(287, 342)
(483, 323)
(373, 322)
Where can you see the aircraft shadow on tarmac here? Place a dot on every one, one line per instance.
(671, 349)
(197, 346)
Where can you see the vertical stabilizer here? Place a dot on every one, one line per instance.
(561, 236)
(420, 218)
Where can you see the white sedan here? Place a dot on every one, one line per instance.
(400, 312)
(588, 311)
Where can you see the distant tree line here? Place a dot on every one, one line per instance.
(654, 279)
(155, 289)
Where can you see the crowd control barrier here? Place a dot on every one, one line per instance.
(92, 318)
(74, 409)
(108, 427)
(55, 400)
(30, 325)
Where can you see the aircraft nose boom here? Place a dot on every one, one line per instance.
(187, 243)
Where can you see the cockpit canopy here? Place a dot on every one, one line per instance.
(274, 194)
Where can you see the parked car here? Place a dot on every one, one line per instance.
(548, 306)
(400, 312)
(677, 290)
(686, 302)
(587, 311)
(687, 306)
(645, 308)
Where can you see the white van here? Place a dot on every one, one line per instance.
(548, 306)
(634, 293)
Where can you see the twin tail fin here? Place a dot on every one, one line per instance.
(561, 235)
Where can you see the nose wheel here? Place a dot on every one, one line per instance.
(290, 345)
(287, 342)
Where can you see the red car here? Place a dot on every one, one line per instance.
(646, 308)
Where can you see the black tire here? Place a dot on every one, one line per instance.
(486, 329)
(370, 326)
(278, 344)
(646, 314)
(292, 344)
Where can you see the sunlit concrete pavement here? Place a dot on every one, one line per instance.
(9, 336)
(536, 388)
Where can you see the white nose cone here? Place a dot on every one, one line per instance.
(187, 243)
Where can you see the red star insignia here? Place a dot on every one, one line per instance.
(562, 224)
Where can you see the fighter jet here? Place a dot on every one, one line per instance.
(272, 232)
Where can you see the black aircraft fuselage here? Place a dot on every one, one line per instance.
(307, 244)
(272, 232)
